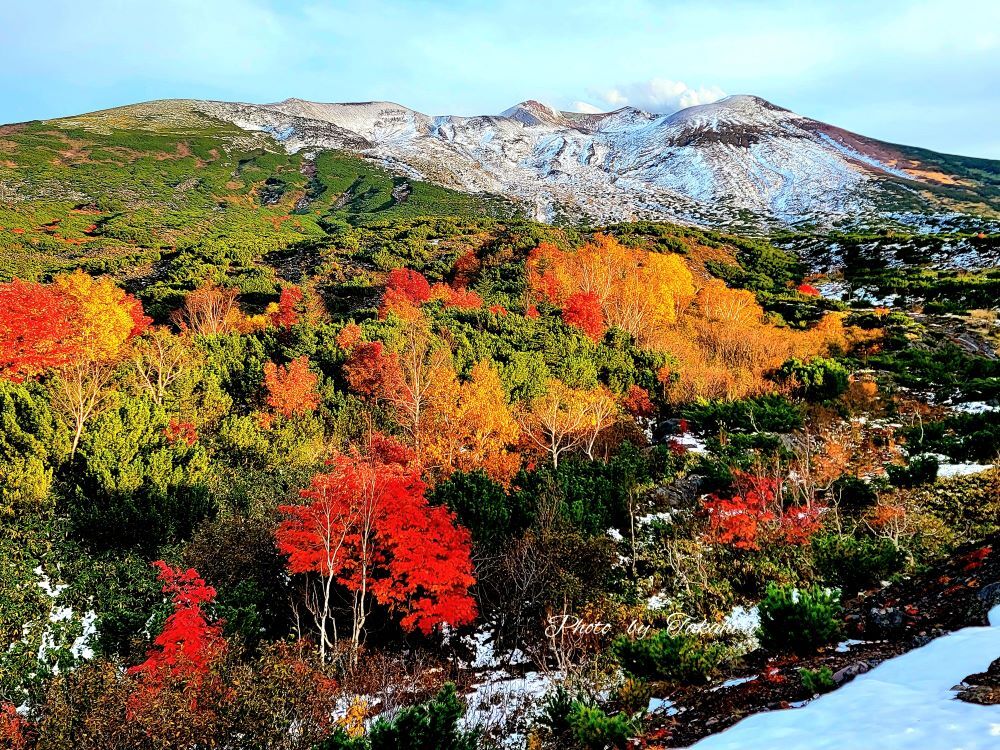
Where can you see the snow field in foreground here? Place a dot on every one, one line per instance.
(905, 703)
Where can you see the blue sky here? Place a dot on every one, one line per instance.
(922, 73)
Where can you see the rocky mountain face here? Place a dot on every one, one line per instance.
(741, 161)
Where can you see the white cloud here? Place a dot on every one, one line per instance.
(586, 107)
(657, 95)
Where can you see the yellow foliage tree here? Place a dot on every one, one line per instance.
(640, 292)
(105, 320)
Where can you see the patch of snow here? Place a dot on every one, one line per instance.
(649, 519)
(743, 620)
(975, 407)
(947, 470)
(690, 443)
(734, 682)
(503, 705)
(661, 705)
(905, 703)
(845, 646)
(658, 600)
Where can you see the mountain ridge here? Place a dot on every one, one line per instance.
(740, 161)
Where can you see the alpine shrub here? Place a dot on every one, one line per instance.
(799, 620)
(682, 658)
(817, 681)
(595, 730)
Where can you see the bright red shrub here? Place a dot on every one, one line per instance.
(14, 728)
(287, 313)
(408, 284)
(181, 431)
(799, 523)
(463, 299)
(754, 514)
(637, 402)
(583, 310)
(189, 645)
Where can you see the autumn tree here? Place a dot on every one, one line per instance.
(404, 287)
(38, 329)
(15, 731)
(372, 371)
(461, 298)
(756, 511)
(471, 426)
(285, 313)
(583, 310)
(424, 364)
(367, 527)
(209, 310)
(637, 291)
(107, 320)
(159, 359)
(556, 421)
(188, 644)
(291, 388)
(107, 316)
(602, 411)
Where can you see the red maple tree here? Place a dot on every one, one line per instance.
(372, 371)
(38, 329)
(366, 526)
(291, 389)
(583, 310)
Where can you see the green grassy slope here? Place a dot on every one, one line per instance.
(115, 194)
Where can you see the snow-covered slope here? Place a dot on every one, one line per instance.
(738, 160)
(906, 703)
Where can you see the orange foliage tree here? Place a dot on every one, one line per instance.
(723, 345)
(471, 426)
(638, 291)
(291, 389)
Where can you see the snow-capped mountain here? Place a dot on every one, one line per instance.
(738, 160)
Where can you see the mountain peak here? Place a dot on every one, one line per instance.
(534, 112)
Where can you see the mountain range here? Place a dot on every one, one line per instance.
(739, 162)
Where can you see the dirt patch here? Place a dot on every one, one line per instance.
(939, 177)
